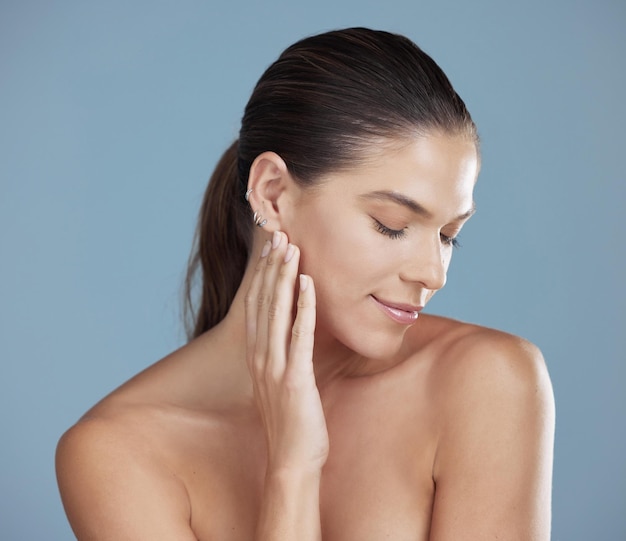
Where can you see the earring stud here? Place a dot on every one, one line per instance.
(247, 196)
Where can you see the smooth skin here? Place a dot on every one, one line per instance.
(309, 413)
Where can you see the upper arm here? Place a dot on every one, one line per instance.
(493, 467)
(114, 488)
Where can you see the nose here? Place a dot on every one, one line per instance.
(426, 265)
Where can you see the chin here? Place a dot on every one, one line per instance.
(374, 342)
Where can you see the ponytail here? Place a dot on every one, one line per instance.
(221, 246)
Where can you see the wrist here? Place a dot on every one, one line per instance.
(293, 476)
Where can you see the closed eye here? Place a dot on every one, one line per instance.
(450, 241)
(387, 231)
(400, 233)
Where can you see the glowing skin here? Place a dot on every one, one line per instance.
(364, 247)
(262, 427)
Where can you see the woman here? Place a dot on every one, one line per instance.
(314, 400)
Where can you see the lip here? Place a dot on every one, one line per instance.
(405, 314)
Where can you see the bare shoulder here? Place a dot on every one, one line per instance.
(115, 481)
(495, 415)
(118, 468)
(124, 470)
(474, 359)
(483, 375)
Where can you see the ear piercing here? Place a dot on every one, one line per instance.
(258, 219)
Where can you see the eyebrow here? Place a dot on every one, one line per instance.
(413, 206)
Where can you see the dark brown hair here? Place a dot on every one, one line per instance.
(319, 106)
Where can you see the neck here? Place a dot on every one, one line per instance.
(331, 359)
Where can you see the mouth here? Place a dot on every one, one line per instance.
(405, 314)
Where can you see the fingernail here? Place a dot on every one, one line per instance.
(304, 281)
(266, 249)
(276, 239)
(289, 253)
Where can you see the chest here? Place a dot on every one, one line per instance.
(376, 483)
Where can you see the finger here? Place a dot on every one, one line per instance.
(280, 317)
(303, 330)
(273, 264)
(251, 302)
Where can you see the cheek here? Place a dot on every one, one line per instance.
(341, 250)
(341, 258)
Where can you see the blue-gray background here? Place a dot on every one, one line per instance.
(112, 115)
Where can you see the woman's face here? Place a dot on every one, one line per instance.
(378, 239)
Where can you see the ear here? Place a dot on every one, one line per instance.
(271, 184)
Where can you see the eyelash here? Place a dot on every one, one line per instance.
(399, 233)
(450, 241)
(387, 231)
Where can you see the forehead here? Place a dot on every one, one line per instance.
(439, 171)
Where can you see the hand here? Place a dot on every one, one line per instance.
(280, 359)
